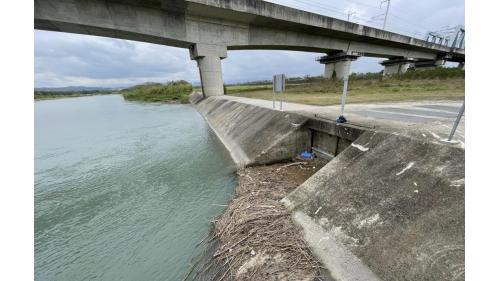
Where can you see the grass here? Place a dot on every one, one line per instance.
(172, 92)
(436, 84)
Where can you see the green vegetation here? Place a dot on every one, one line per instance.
(246, 88)
(47, 95)
(172, 92)
(434, 84)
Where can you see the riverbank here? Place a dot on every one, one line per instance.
(255, 236)
(390, 199)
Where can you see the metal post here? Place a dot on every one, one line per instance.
(274, 94)
(281, 101)
(457, 121)
(341, 118)
(344, 96)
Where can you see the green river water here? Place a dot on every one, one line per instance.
(124, 191)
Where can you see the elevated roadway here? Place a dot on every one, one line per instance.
(208, 28)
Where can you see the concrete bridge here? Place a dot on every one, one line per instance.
(208, 28)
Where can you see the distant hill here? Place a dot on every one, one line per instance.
(72, 89)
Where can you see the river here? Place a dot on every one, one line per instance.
(124, 191)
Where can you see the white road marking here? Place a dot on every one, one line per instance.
(406, 114)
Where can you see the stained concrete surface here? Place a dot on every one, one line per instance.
(389, 207)
(395, 203)
(254, 135)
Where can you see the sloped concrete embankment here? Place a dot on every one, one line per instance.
(254, 135)
(387, 208)
(257, 135)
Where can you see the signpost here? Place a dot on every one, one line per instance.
(278, 87)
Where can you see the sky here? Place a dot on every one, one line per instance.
(63, 59)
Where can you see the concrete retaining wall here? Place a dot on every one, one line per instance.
(252, 134)
(388, 207)
(331, 138)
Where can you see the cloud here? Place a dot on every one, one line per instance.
(67, 59)
(260, 65)
(63, 59)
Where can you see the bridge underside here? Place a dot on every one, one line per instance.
(227, 25)
(109, 32)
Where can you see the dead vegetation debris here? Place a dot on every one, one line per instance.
(255, 236)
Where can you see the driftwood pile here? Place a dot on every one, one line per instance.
(256, 237)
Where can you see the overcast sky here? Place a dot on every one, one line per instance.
(63, 59)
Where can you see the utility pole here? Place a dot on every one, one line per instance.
(386, 11)
(349, 14)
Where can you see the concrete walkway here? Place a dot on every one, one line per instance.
(431, 120)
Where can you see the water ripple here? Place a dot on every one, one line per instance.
(123, 191)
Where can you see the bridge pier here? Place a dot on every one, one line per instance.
(461, 65)
(337, 65)
(429, 64)
(396, 65)
(209, 59)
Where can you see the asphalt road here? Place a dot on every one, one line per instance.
(417, 113)
(427, 119)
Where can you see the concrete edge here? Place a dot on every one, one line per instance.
(195, 97)
(240, 162)
(301, 194)
(342, 264)
(279, 141)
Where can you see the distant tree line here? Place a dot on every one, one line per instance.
(171, 92)
(63, 94)
(435, 73)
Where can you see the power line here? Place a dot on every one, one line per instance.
(321, 6)
(364, 4)
(391, 15)
(386, 11)
(335, 10)
(307, 5)
(328, 8)
(410, 22)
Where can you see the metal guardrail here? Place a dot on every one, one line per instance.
(451, 37)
